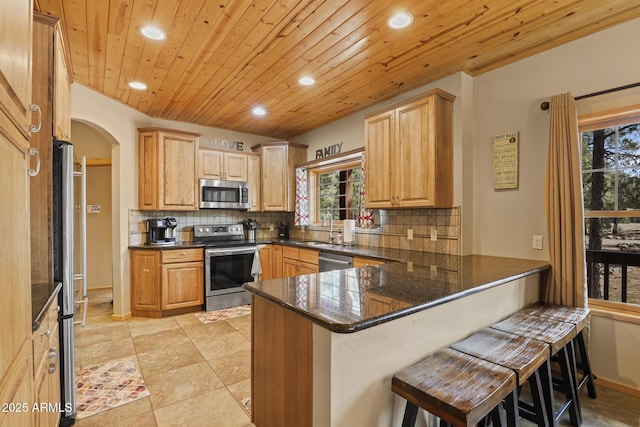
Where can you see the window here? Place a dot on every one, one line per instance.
(338, 192)
(611, 191)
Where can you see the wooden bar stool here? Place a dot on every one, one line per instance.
(579, 317)
(559, 336)
(461, 390)
(528, 358)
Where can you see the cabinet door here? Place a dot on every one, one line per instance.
(145, 281)
(266, 262)
(148, 154)
(182, 285)
(15, 69)
(179, 168)
(211, 164)
(253, 178)
(416, 154)
(235, 167)
(380, 160)
(62, 90)
(289, 267)
(277, 262)
(275, 185)
(307, 268)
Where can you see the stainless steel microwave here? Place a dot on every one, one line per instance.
(216, 194)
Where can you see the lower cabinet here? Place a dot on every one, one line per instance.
(277, 262)
(46, 355)
(363, 262)
(298, 261)
(166, 282)
(376, 304)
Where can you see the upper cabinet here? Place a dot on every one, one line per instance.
(16, 24)
(253, 178)
(167, 169)
(409, 153)
(278, 160)
(222, 165)
(48, 86)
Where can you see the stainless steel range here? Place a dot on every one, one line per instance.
(229, 261)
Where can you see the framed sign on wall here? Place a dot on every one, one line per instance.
(505, 161)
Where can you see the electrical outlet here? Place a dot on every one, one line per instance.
(409, 266)
(410, 234)
(434, 234)
(434, 272)
(537, 242)
(270, 227)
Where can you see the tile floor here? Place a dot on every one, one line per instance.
(199, 374)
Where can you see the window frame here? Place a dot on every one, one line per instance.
(346, 160)
(600, 120)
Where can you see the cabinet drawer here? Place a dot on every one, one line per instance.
(308, 255)
(182, 255)
(289, 252)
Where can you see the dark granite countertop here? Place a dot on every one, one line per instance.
(181, 245)
(354, 299)
(41, 296)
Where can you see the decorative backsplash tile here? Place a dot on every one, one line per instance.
(391, 233)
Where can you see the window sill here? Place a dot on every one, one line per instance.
(614, 310)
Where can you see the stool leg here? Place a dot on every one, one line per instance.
(567, 363)
(585, 366)
(539, 400)
(511, 409)
(497, 417)
(410, 415)
(546, 383)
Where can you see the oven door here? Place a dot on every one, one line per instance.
(226, 269)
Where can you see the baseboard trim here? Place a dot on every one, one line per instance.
(121, 317)
(622, 388)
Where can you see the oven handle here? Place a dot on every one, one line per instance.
(230, 251)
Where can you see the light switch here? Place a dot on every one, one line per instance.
(537, 242)
(410, 234)
(434, 234)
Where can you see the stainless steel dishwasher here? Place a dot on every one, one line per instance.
(329, 261)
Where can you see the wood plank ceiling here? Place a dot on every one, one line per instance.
(223, 57)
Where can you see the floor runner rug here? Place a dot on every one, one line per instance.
(108, 386)
(223, 314)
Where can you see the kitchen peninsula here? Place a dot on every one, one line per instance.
(325, 346)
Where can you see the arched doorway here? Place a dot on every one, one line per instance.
(96, 145)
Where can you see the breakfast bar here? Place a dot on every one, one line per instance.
(325, 346)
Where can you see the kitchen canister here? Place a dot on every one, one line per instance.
(349, 233)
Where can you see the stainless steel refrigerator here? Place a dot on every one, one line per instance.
(63, 271)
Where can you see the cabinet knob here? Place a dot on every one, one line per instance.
(36, 109)
(48, 333)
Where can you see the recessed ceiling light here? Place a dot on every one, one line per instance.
(153, 33)
(259, 111)
(306, 81)
(400, 20)
(137, 85)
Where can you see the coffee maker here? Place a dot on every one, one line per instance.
(162, 231)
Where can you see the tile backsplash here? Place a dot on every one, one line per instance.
(390, 233)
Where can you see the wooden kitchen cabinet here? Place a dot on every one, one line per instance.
(224, 165)
(254, 168)
(16, 29)
(46, 355)
(409, 153)
(266, 262)
(166, 282)
(376, 304)
(278, 182)
(51, 91)
(277, 272)
(167, 170)
(299, 261)
(363, 262)
(16, 357)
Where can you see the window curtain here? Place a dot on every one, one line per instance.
(365, 216)
(564, 206)
(302, 197)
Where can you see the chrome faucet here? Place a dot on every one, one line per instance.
(324, 224)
